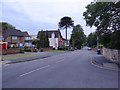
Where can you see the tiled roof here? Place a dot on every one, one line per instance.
(12, 32)
(26, 34)
(50, 33)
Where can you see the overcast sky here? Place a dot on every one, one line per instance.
(34, 15)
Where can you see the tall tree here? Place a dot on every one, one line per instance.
(103, 15)
(92, 39)
(42, 39)
(66, 22)
(106, 17)
(46, 39)
(77, 37)
(115, 40)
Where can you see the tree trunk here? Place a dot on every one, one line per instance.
(66, 36)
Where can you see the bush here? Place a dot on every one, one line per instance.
(21, 50)
(27, 49)
(41, 49)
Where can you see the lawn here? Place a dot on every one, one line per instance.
(17, 56)
(56, 51)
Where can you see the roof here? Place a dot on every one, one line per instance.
(13, 32)
(26, 34)
(55, 32)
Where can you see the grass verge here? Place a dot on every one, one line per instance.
(17, 56)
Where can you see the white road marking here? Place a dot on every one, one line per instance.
(6, 64)
(59, 61)
(34, 70)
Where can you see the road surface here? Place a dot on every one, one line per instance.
(68, 70)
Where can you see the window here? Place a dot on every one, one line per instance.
(27, 38)
(1, 38)
(14, 38)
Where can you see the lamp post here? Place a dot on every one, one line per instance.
(97, 41)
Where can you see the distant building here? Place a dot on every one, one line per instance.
(33, 37)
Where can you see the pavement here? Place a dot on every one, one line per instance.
(100, 61)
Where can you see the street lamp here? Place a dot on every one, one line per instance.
(97, 41)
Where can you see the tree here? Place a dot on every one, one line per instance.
(103, 15)
(6, 25)
(42, 39)
(38, 39)
(92, 39)
(115, 40)
(77, 36)
(105, 39)
(46, 39)
(106, 17)
(34, 42)
(66, 22)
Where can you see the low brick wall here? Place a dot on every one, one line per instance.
(112, 54)
(45, 49)
(10, 51)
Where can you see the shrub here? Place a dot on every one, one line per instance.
(27, 49)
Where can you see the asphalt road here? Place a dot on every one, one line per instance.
(68, 70)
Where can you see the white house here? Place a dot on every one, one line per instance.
(55, 39)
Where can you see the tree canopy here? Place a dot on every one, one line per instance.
(103, 15)
(42, 41)
(92, 40)
(77, 36)
(66, 22)
(6, 25)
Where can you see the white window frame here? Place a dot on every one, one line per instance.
(27, 38)
(14, 37)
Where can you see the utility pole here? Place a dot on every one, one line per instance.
(66, 39)
(97, 42)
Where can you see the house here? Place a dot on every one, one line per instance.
(27, 39)
(16, 38)
(33, 37)
(55, 39)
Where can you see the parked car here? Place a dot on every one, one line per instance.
(98, 51)
(89, 48)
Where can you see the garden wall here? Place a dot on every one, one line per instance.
(10, 51)
(112, 54)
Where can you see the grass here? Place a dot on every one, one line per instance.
(17, 56)
(55, 51)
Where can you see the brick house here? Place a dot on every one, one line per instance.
(27, 39)
(15, 37)
(55, 39)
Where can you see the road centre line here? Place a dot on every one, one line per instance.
(34, 70)
(59, 61)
